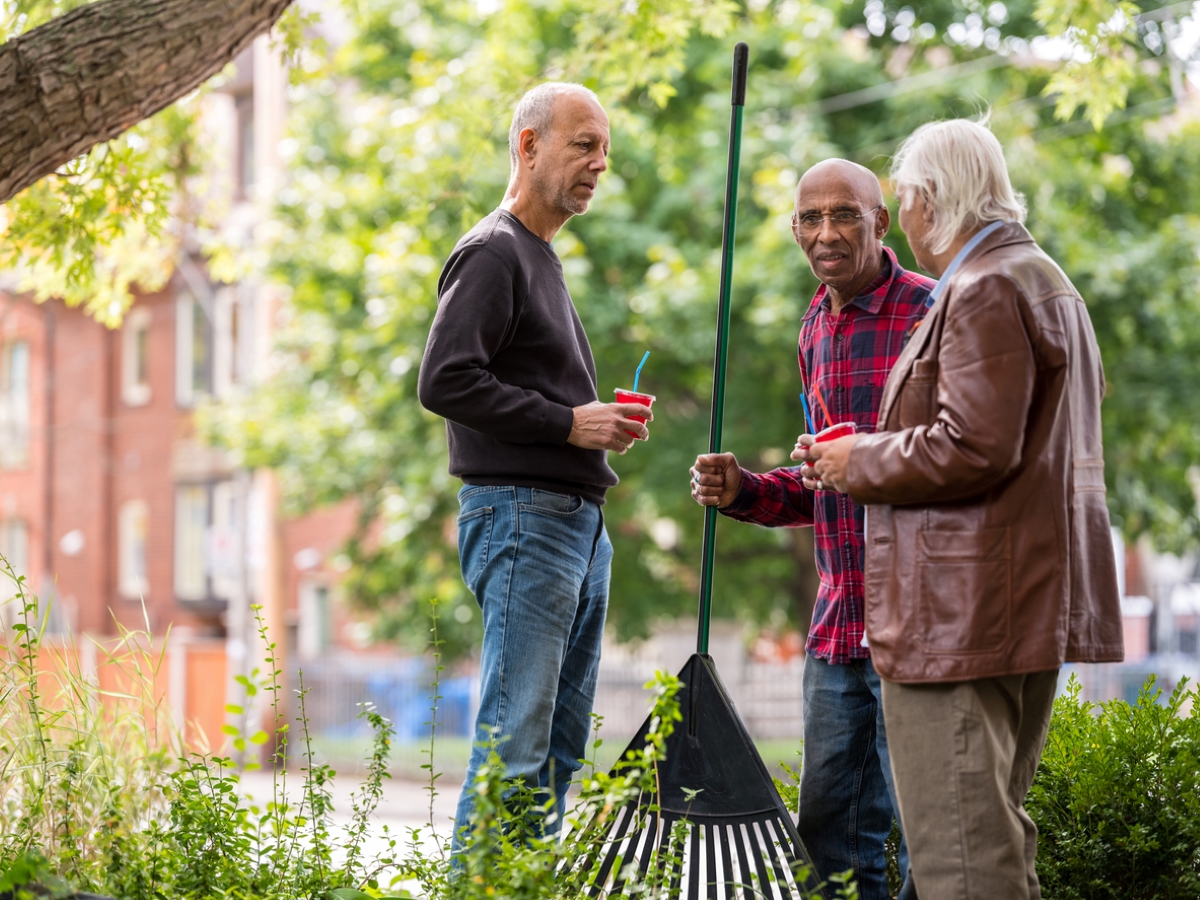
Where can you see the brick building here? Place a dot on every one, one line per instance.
(111, 505)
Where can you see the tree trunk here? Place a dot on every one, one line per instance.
(90, 74)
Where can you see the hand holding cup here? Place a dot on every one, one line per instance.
(831, 475)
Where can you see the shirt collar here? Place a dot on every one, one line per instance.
(959, 258)
(872, 297)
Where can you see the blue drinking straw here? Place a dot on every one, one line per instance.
(638, 373)
(807, 414)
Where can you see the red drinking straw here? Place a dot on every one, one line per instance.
(821, 400)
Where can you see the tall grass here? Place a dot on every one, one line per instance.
(99, 794)
(82, 771)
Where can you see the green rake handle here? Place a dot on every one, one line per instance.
(741, 61)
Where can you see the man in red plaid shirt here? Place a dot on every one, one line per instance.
(854, 329)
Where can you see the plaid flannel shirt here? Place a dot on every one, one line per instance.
(848, 356)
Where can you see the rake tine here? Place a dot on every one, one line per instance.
(639, 851)
(674, 865)
(710, 873)
(664, 865)
(597, 847)
(770, 857)
(768, 872)
(744, 869)
(658, 853)
(650, 846)
(727, 875)
(624, 817)
(780, 855)
(693, 858)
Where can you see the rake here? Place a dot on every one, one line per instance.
(716, 827)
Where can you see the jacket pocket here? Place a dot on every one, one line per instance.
(918, 395)
(964, 590)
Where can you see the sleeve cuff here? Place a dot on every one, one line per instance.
(559, 421)
(860, 484)
(747, 496)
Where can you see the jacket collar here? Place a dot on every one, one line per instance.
(1010, 233)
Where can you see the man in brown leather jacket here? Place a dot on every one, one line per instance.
(989, 555)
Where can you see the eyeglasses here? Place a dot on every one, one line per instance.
(810, 223)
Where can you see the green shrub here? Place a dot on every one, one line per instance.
(1117, 798)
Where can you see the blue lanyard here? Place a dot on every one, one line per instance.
(958, 260)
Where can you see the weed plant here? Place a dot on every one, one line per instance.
(98, 794)
(102, 797)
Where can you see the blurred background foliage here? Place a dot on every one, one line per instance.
(398, 146)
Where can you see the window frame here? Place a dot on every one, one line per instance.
(15, 411)
(135, 355)
(133, 577)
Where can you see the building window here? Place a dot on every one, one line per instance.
(233, 338)
(14, 405)
(14, 544)
(223, 549)
(135, 358)
(132, 527)
(191, 527)
(244, 105)
(208, 541)
(214, 343)
(193, 350)
(315, 626)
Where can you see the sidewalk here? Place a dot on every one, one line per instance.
(404, 806)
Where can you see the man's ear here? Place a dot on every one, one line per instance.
(883, 222)
(527, 142)
(926, 206)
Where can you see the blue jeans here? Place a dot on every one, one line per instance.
(847, 796)
(538, 564)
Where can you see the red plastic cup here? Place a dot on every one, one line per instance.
(833, 432)
(624, 396)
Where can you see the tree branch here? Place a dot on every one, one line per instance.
(94, 72)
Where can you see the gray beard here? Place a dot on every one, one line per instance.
(567, 203)
(561, 200)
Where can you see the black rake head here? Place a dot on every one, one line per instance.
(716, 827)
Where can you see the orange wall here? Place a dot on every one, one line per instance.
(133, 678)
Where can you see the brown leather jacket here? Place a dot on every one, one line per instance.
(989, 550)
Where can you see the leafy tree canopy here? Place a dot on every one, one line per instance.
(398, 147)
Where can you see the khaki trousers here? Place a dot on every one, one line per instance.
(964, 755)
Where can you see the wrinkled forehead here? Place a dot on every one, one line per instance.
(827, 187)
(827, 193)
(576, 111)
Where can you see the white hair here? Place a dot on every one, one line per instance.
(536, 111)
(958, 166)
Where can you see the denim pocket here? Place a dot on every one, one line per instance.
(474, 543)
(552, 503)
